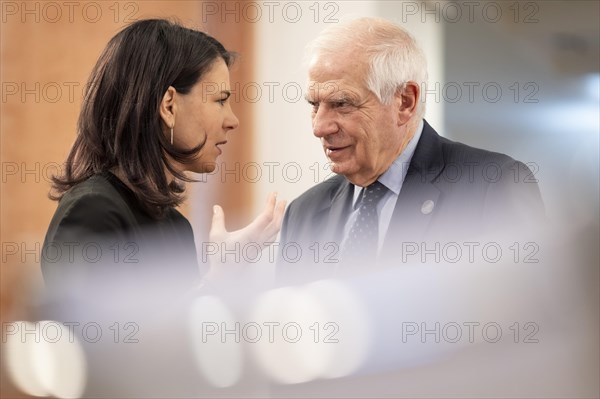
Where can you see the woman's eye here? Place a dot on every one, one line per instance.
(224, 97)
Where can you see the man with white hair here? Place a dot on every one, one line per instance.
(397, 179)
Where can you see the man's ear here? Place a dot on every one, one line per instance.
(167, 107)
(407, 99)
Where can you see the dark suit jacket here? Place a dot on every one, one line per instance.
(451, 192)
(100, 236)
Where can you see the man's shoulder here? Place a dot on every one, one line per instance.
(432, 145)
(322, 192)
(440, 154)
(455, 151)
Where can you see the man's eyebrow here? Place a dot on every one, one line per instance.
(339, 95)
(227, 93)
(332, 98)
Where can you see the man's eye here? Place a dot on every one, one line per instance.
(314, 105)
(340, 104)
(222, 101)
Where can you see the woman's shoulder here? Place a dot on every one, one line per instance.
(98, 185)
(96, 204)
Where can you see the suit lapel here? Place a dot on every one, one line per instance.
(339, 210)
(413, 211)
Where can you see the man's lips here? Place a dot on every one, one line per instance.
(334, 151)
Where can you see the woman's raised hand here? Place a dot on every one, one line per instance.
(261, 231)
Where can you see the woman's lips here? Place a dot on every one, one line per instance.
(220, 143)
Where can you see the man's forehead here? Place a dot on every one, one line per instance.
(331, 75)
(327, 87)
(324, 67)
(334, 89)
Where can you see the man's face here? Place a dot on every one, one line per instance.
(360, 135)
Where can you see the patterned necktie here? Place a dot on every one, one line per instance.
(361, 244)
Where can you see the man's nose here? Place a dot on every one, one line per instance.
(324, 123)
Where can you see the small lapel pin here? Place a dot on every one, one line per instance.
(427, 207)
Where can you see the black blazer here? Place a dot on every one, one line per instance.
(100, 234)
(451, 191)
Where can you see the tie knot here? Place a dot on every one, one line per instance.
(373, 193)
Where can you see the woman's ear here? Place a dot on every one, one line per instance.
(167, 107)
(407, 99)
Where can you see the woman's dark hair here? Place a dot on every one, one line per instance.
(120, 125)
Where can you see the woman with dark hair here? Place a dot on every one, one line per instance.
(156, 105)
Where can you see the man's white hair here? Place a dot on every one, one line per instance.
(392, 54)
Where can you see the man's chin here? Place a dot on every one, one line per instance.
(340, 169)
(335, 167)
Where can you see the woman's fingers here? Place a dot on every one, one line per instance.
(264, 219)
(273, 217)
(217, 228)
(271, 201)
(279, 212)
(263, 229)
(269, 209)
(273, 228)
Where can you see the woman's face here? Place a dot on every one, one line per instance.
(204, 114)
